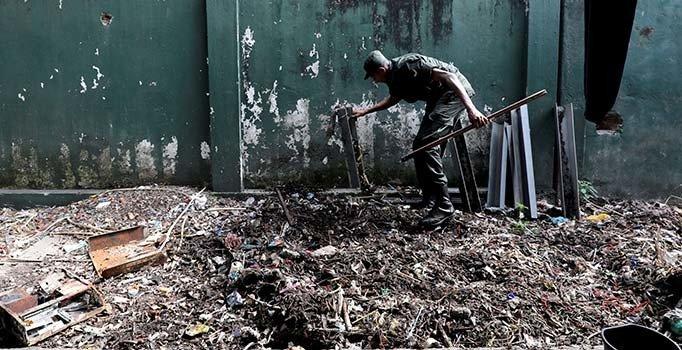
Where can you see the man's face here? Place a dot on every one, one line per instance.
(379, 76)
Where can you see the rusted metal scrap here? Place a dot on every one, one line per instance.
(115, 253)
(352, 148)
(26, 321)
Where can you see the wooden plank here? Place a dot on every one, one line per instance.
(343, 117)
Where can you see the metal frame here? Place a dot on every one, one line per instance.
(524, 184)
(566, 162)
(497, 173)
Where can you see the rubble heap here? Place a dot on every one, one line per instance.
(320, 270)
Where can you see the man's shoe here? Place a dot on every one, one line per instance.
(442, 211)
(425, 203)
(436, 217)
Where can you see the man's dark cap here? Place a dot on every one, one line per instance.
(374, 60)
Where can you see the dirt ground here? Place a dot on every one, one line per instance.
(352, 272)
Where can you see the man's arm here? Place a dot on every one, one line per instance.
(450, 79)
(386, 103)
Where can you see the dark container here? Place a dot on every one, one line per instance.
(635, 337)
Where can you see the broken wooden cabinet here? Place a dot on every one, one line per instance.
(28, 317)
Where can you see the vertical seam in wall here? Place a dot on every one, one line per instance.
(560, 56)
(239, 96)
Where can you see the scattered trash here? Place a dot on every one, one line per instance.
(196, 330)
(70, 248)
(559, 220)
(289, 254)
(52, 282)
(325, 251)
(115, 253)
(69, 302)
(219, 260)
(235, 299)
(598, 218)
(102, 205)
(354, 272)
(200, 201)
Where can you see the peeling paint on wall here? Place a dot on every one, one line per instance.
(247, 42)
(124, 162)
(297, 122)
(170, 152)
(250, 114)
(69, 180)
(87, 174)
(313, 70)
(144, 159)
(84, 87)
(272, 100)
(405, 120)
(205, 150)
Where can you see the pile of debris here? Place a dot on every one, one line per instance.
(320, 270)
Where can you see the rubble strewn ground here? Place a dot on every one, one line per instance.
(352, 271)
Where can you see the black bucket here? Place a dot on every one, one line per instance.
(635, 337)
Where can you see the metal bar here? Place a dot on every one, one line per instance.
(284, 207)
(468, 191)
(497, 174)
(512, 180)
(343, 116)
(524, 161)
(468, 128)
(365, 185)
(568, 163)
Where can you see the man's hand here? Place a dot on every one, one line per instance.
(359, 112)
(477, 118)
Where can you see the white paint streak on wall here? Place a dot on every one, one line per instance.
(94, 84)
(314, 53)
(247, 42)
(365, 127)
(99, 74)
(21, 97)
(272, 100)
(170, 152)
(42, 85)
(205, 150)
(96, 51)
(152, 83)
(144, 160)
(313, 70)
(298, 122)
(125, 162)
(249, 120)
(60, 4)
(84, 87)
(403, 126)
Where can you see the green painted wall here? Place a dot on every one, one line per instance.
(301, 59)
(278, 68)
(88, 105)
(645, 161)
